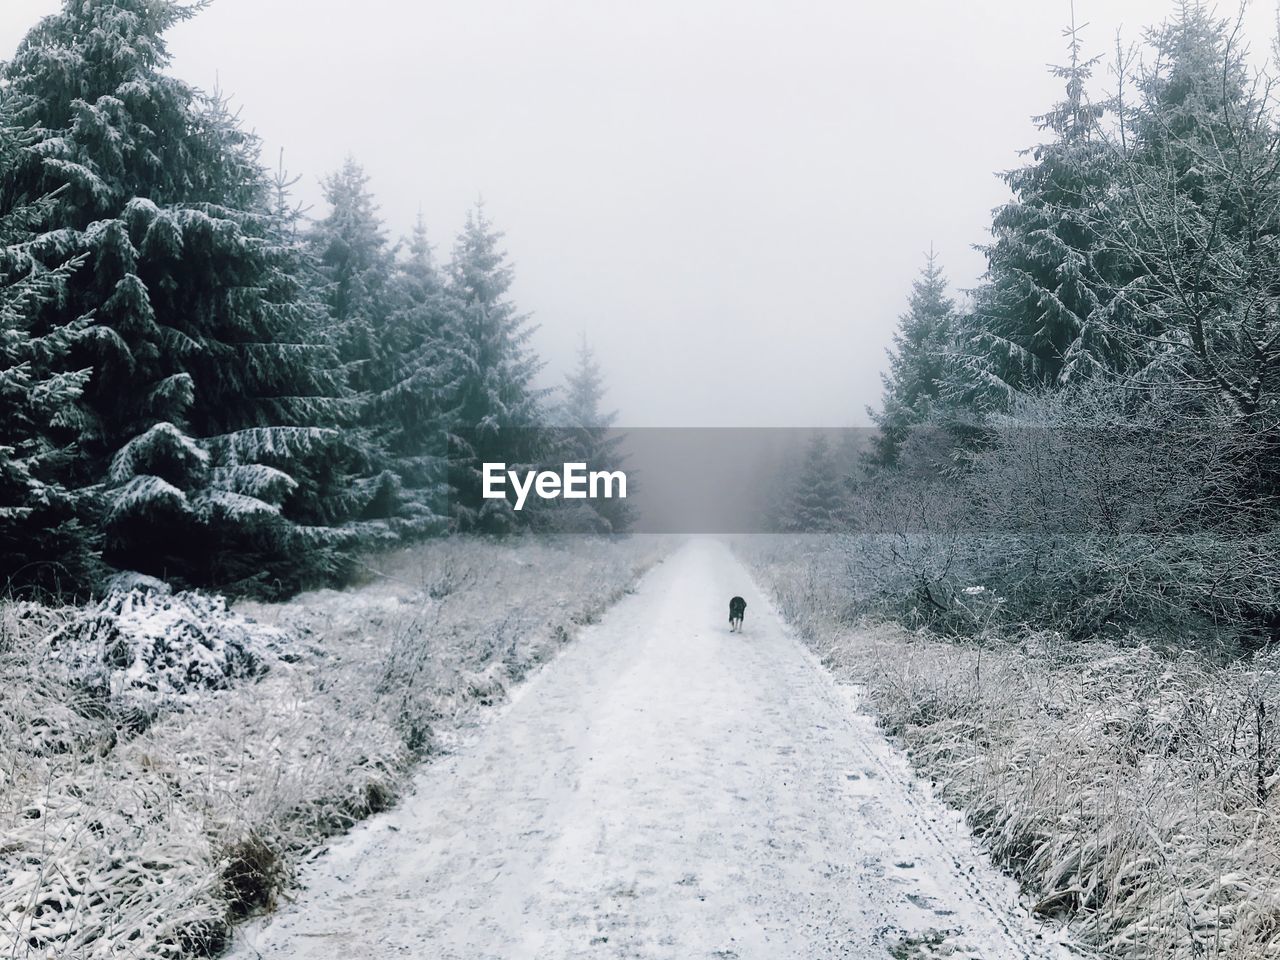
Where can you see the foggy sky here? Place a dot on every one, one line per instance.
(729, 197)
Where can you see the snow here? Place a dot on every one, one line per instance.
(144, 492)
(1118, 780)
(256, 480)
(142, 824)
(162, 439)
(665, 790)
(144, 649)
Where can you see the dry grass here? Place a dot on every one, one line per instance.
(1131, 791)
(150, 843)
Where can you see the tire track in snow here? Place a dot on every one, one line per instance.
(971, 874)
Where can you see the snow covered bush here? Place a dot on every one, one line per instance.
(143, 649)
(1131, 790)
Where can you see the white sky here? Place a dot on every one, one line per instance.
(730, 197)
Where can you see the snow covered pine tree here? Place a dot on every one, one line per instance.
(588, 439)
(47, 541)
(499, 410)
(917, 363)
(207, 406)
(1042, 317)
(817, 505)
(387, 321)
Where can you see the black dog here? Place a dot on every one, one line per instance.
(737, 609)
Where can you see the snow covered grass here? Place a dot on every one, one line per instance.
(1131, 791)
(166, 764)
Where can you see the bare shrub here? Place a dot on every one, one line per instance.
(252, 875)
(1089, 513)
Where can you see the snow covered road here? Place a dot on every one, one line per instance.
(664, 789)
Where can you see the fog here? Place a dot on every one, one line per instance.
(729, 198)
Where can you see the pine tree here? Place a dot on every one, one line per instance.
(590, 439)
(1197, 216)
(917, 363)
(780, 467)
(47, 541)
(200, 338)
(817, 501)
(388, 320)
(497, 407)
(411, 410)
(351, 267)
(1042, 316)
(1196, 97)
(356, 263)
(584, 391)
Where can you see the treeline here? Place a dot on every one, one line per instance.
(198, 381)
(1090, 443)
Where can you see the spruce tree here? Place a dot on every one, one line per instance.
(351, 269)
(589, 437)
(47, 539)
(917, 363)
(498, 409)
(817, 504)
(584, 391)
(411, 409)
(1199, 216)
(1038, 319)
(1195, 99)
(200, 341)
(388, 320)
(356, 263)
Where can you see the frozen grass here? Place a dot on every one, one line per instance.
(148, 840)
(1131, 791)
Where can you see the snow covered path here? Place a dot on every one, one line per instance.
(664, 789)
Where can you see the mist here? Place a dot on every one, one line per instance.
(729, 199)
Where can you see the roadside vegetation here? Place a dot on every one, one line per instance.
(1129, 787)
(1054, 564)
(167, 764)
